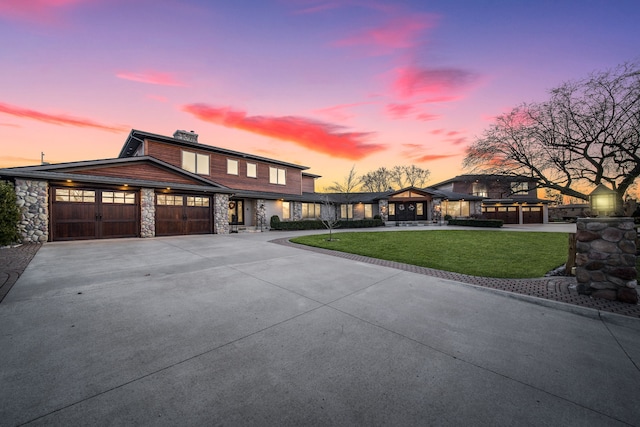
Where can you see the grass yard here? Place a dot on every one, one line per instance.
(479, 253)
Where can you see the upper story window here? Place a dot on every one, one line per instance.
(479, 189)
(252, 170)
(232, 167)
(277, 176)
(195, 163)
(521, 188)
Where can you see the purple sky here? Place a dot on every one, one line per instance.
(326, 84)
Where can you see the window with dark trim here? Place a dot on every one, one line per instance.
(232, 167)
(277, 176)
(195, 163)
(252, 170)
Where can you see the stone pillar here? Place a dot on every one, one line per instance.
(606, 258)
(297, 211)
(261, 215)
(383, 209)
(147, 213)
(221, 214)
(33, 199)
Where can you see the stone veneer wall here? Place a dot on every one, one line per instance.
(383, 209)
(606, 258)
(221, 213)
(297, 211)
(33, 199)
(261, 215)
(148, 212)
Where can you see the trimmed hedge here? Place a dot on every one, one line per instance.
(471, 222)
(317, 224)
(10, 215)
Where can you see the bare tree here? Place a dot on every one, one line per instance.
(377, 181)
(416, 176)
(383, 179)
(586, 134)
(348, 186)
(328, 216)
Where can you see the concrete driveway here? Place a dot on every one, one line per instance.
(234, 330)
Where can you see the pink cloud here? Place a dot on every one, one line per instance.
(56, 119)
(35, 10)
(158, 98)
(434, 84)
(151, 77)
(457, 141)
(432, 157)
(311, 134)
(399, 111)
(426, 117)
(398, 33)
(339, 112)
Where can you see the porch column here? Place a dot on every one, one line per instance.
(383, 209)
(221, 214)
(33, 199)
(147, 212)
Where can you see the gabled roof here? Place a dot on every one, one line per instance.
(452, 195)
(69, 171)
(137, 137)
(484, 177)
(356, 197)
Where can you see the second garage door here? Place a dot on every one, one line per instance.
(178, 214)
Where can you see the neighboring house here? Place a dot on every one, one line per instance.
(511, 199)
(407, 205)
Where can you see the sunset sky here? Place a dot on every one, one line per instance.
(324, 83)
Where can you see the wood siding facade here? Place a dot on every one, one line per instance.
(172, 154)
(140, 171)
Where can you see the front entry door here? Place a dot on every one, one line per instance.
(406, 211)
(236, 212)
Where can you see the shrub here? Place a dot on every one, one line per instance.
(317, 224)
(275, 220)
(470, 222)
(9, 215)
(447, 217)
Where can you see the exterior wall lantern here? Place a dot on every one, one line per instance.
(602, 201)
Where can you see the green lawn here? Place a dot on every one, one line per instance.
(480, 253)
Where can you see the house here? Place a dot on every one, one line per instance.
(409, 204)
(164, 186)
(159, 186)
(512, 199)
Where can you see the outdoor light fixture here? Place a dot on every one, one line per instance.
(602, 201)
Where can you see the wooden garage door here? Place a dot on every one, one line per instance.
(80, 214)
(183, 214)
(532, 214)
(508, 214)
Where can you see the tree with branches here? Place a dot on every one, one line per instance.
(328, 216)
(348, 186)
(383, 179)
(586, 134)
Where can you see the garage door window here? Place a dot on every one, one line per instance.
(119, 197)
(169, 200)
(197, 201)
(69, 195)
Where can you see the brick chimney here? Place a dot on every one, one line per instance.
(186, 136)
